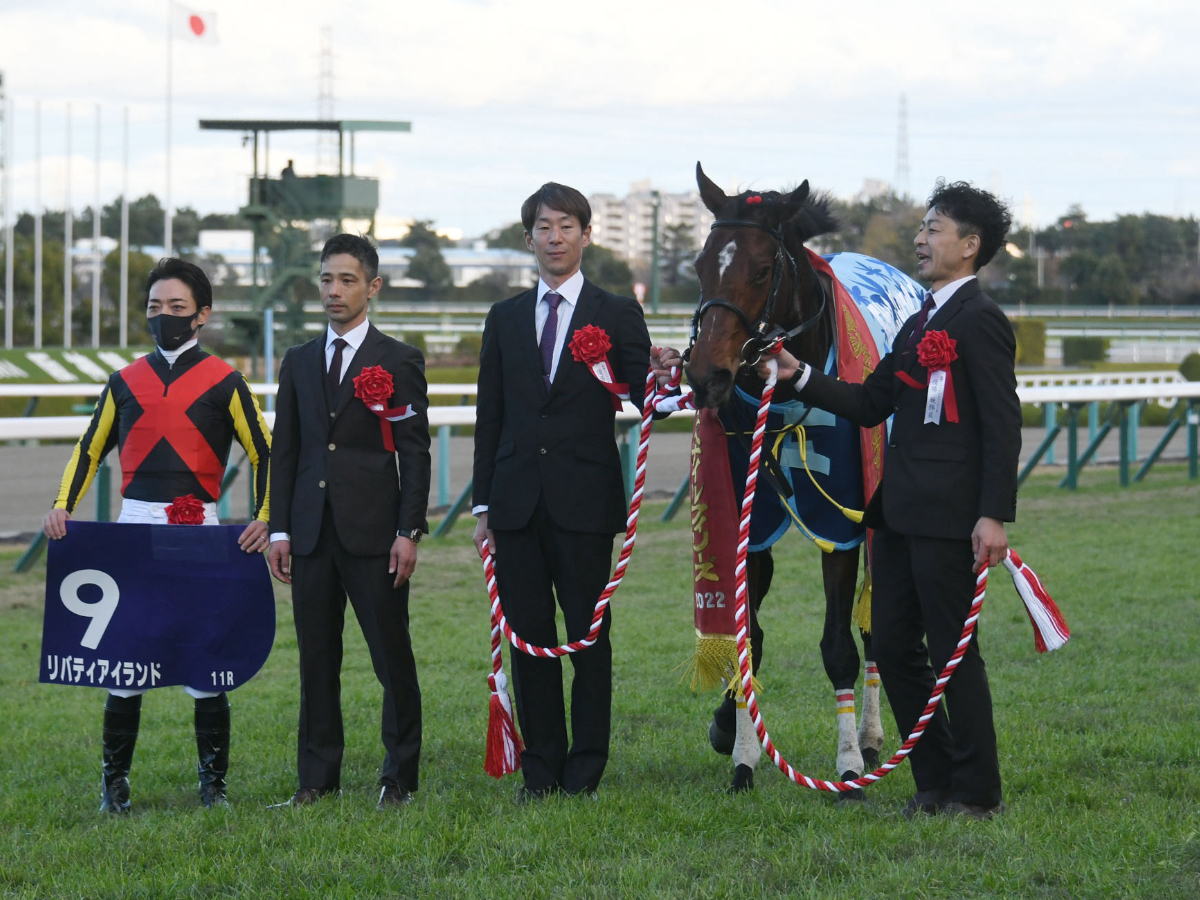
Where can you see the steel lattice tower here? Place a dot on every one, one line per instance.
(327, 148)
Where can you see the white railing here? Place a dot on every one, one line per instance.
(59, 427)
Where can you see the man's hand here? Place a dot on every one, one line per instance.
(403, 559)
(989, 542)
(482, 533)
(662, 360)
(55, 524)
(788, 365)
(254, 539)
(279, 559)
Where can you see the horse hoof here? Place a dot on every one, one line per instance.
(743, 780)
(721, 740)
(856, 794)
(870, 759)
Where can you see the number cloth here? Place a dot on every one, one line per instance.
(109, 622)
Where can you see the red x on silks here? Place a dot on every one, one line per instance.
(164, 417)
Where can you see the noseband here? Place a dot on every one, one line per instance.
(763, 335)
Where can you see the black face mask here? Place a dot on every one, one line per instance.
(172, 332)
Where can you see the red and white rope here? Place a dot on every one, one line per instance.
(741, 621)
(500, 621)
(503, 753)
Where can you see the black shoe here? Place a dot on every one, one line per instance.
(122, 716)
(392, 796)
(955, 809)
(212, 748)
(928, 803)
(527, 795)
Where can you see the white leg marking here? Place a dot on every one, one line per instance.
(848, 757)
(746, 749)
(870, 729)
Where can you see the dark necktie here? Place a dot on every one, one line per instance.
(549, 334)
(335, 367)
(919, 325)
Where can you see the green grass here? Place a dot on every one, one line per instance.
(1097, 744)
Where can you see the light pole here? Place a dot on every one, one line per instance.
(654, 205)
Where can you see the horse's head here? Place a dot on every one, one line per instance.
(749, 272)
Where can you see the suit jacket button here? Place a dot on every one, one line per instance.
(333, 446)
(331, 415)
(545, 415)
(320, 484)
(542, 450)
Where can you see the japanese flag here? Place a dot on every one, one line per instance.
(189, 24)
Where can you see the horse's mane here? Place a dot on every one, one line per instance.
(815, 217)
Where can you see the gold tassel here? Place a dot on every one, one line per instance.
(715, 664)
(862, 606)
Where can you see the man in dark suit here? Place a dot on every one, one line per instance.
(948, 488)
(548, 489)
(349, 517)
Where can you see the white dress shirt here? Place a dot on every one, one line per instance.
(940, 296)
(353, 338)
(569, 290)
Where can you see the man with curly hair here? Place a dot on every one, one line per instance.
(949, 485)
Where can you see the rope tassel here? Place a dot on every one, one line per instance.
(1050, 629)
(504, 746)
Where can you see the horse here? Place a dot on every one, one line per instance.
(758, 283)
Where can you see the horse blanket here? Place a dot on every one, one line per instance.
(872, 301)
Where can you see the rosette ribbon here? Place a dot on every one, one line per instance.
(373, 387)
(936, 352)
(186, 510)
(590, 345)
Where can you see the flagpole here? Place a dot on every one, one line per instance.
(68, 224)
(8, 225)
(96, 242)
(167, 200)
(123, 293)
(37, 224)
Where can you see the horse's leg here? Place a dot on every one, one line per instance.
(840, 656)
(870, 728)
(731, 726)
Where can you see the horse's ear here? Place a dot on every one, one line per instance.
(714, 198)
(793, 202)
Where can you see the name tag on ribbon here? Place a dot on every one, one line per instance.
(935, 397)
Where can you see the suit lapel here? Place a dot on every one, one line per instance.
(586, 307)
(524, 339)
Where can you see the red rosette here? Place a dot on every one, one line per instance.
(936, 350)
(374, 385)
(590, 345)
(186, 510)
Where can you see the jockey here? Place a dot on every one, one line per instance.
(173, 416)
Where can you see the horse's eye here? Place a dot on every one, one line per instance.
(762, 274)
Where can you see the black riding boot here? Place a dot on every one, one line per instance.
(212, 747)
(121, 718)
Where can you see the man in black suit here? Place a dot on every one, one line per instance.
(348, 520)
(948, 488)
(548, 489)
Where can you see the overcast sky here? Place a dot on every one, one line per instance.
(1051, 102)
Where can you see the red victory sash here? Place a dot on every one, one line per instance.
(857, 357)
(714, 555)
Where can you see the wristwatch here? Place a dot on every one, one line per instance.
(414, 535)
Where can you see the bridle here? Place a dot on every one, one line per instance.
(763, 335)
